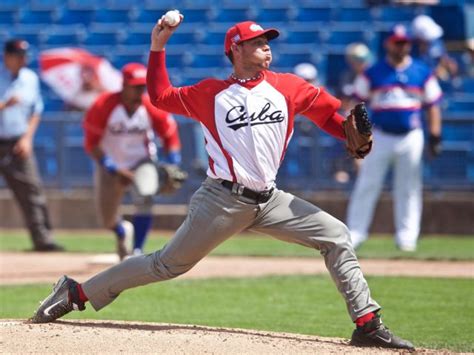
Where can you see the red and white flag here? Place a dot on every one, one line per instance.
(78, 76)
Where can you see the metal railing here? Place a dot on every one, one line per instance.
(314, 160)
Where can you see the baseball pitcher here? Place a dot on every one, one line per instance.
(247, 121)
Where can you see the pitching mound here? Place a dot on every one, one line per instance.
(88, 336)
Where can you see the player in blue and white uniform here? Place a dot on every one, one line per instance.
(397, 89)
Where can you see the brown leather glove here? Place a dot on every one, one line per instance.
(171, 178)
(358, 130)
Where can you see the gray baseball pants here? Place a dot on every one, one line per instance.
(21, 176)
(214, 216)
(109, 193)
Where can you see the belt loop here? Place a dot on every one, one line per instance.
(237, 189)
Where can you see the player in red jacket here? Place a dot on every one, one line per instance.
(119, 134)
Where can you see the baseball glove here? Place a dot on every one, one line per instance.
(171, 178)
(358, 130)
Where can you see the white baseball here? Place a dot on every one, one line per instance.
(172, 18)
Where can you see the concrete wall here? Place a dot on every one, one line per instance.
(444, 213)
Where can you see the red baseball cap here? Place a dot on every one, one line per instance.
(134, 74)
(399, 33)
(243, 31)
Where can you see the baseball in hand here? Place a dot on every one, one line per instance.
(172, 18)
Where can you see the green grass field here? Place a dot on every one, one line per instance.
(432, 313)
(430, 247)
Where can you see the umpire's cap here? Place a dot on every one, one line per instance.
(16, 46)
(243, 31)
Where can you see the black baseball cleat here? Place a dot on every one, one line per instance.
(375, 334)
(63, 299)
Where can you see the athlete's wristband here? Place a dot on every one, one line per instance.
(174, 157)
(108, 164)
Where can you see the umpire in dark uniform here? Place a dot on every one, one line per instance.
(20, 109)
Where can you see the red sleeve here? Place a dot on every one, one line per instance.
(164, 125)
(96, 119)
(193, 101)
(313, 102)
(316, 103)
(306, 99)
(162, 94)
(333, 126)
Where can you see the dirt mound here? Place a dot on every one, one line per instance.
(106, 337)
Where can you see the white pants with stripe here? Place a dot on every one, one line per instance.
(404, 153)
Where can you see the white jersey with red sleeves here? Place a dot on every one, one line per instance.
(248, 126)
(128, 139)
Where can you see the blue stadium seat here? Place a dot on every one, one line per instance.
(308, 37)
(62, 39)
(183, 38)
(10, 4)
(461, 105)
(121, 4)
(112, 16)
(198, 3)
(73, 131)
(48, 133)
(214, 38)
(291, 59)
(194, 75)
(8, 17)
(352, 14)
(31, 35)
(274, 14)
(33, 63)
(167, 4)
(148, 16)
(231, 3)
(453, 30)
(393, 14)
(336, 66)
(53, 104)
(197, 15)
(36, 17)
(82, 4)
(101, 38)
(465, 85)
(458, 131)
(77, 166)
(314, 14)
(76, 16)
(233, 15)
(450, 165)
(174, 60)
(46, 4)
(47, 162)
(119, 60)
(137, 38)
(208, 61)
(345, 37)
